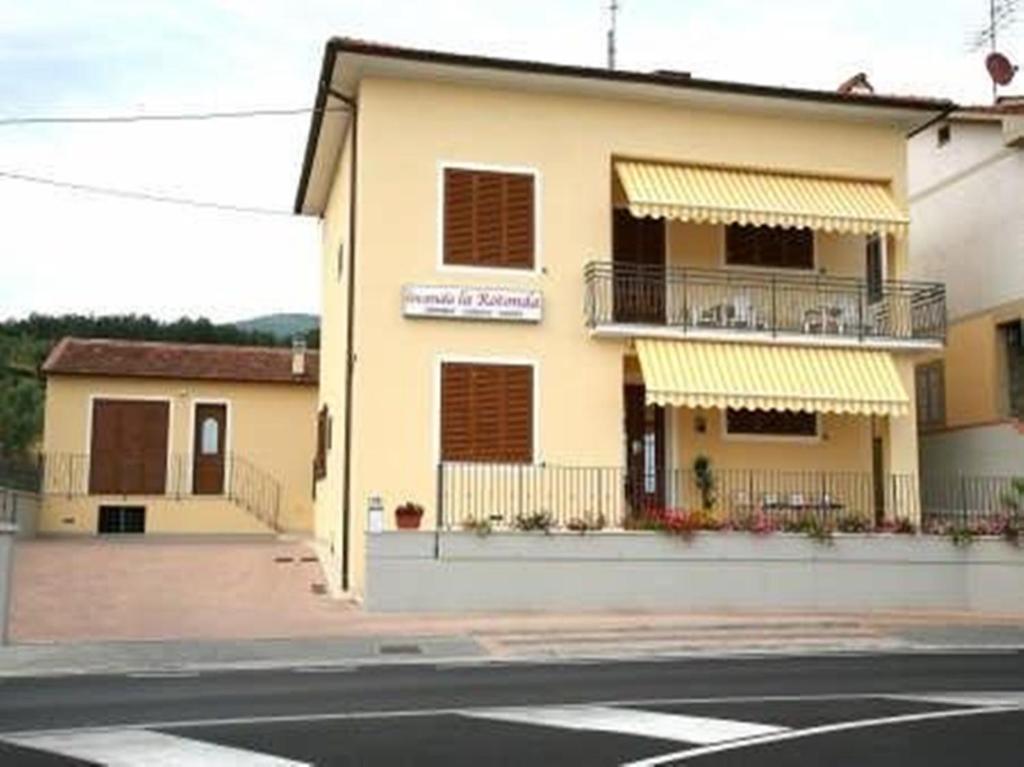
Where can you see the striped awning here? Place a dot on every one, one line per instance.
(766, 377)
(726, 195)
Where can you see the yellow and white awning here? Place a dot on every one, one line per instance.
(727, 195)
(763, 377)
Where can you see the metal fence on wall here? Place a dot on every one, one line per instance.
(584, 498)
(971, 501)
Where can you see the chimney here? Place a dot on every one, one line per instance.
(858, 85)
(298, 356)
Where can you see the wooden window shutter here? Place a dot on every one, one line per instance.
(323, 424)
(128, 451)
(488, 219)
(486, 413)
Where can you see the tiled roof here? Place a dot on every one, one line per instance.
(157, 359)
(375, 48)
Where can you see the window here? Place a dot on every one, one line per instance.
(121, 519)
(930, 385)
(942, 135)
(769, 247)
(1012, 335)
(324, 426)
(771, 423)
(488, 219)
(128, 447)
(210, 440)
(486, 413)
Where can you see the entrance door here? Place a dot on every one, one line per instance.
(208, 449)
(638, 265)
(878, 478)
(645, 451)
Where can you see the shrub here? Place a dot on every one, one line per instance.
(583, 525)
(853, 523)
(538, 520)
(812, 526)
(481, 527)
(705, 480)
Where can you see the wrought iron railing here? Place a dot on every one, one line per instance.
(20, 474)
(129, 475)
(770, 303)
(524, 496)
(971, 502)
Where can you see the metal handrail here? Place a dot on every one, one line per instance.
(762, 301)
(245, 484)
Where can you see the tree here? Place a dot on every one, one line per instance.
(21, 414)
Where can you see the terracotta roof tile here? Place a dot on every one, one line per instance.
(157, 359)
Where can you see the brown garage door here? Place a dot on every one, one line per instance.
(128, 453)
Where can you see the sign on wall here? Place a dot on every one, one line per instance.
(469, 303)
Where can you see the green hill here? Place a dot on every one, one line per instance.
(282, 325)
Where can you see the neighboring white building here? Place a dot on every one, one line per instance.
(967, 206)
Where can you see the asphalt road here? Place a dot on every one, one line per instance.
(879, 710)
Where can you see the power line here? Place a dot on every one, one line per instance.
(136, 194)
(165, 117)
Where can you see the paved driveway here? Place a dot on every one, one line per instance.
(104, 589)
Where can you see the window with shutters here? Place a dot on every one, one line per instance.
(771, 423)
(324, 424)
(489, 219)
(769, 247)
(486, 413)
(930, 388)
(128, 447)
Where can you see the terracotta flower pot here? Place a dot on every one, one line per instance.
(408, 520)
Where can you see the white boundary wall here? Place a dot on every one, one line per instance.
(712, 571)
(6, 574)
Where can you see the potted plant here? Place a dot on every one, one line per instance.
(408, 516)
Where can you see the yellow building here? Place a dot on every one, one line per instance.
(177, 438)
(967, 200)
(554, 291)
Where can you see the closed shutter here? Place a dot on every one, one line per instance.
(128, 451)
(486, 413)
(488, 219)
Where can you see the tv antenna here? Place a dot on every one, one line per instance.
(613, 11)
(1002, 14)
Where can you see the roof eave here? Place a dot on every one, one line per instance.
(934, 108)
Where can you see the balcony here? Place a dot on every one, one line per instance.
(808, 307)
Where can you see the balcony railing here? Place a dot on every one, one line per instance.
(75, 475)
(523, 496)
(769, 303)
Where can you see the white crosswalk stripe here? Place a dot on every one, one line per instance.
(131, 748)
(650, 724)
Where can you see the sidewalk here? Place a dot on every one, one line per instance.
(367, 639)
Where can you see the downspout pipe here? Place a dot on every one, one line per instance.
(350, 357)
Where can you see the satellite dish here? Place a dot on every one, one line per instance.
(999, 68)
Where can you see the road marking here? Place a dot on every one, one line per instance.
(692, 753)
(625, 721)
(129, 747)
(170, 724)
(324, 670)
(163, 675)
(984, 699)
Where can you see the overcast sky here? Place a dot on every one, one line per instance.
(63, 251)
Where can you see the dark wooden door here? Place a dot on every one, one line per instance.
(208, 443)
(645, 451)
(128, 447)
(638, 267)
(878, 478)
